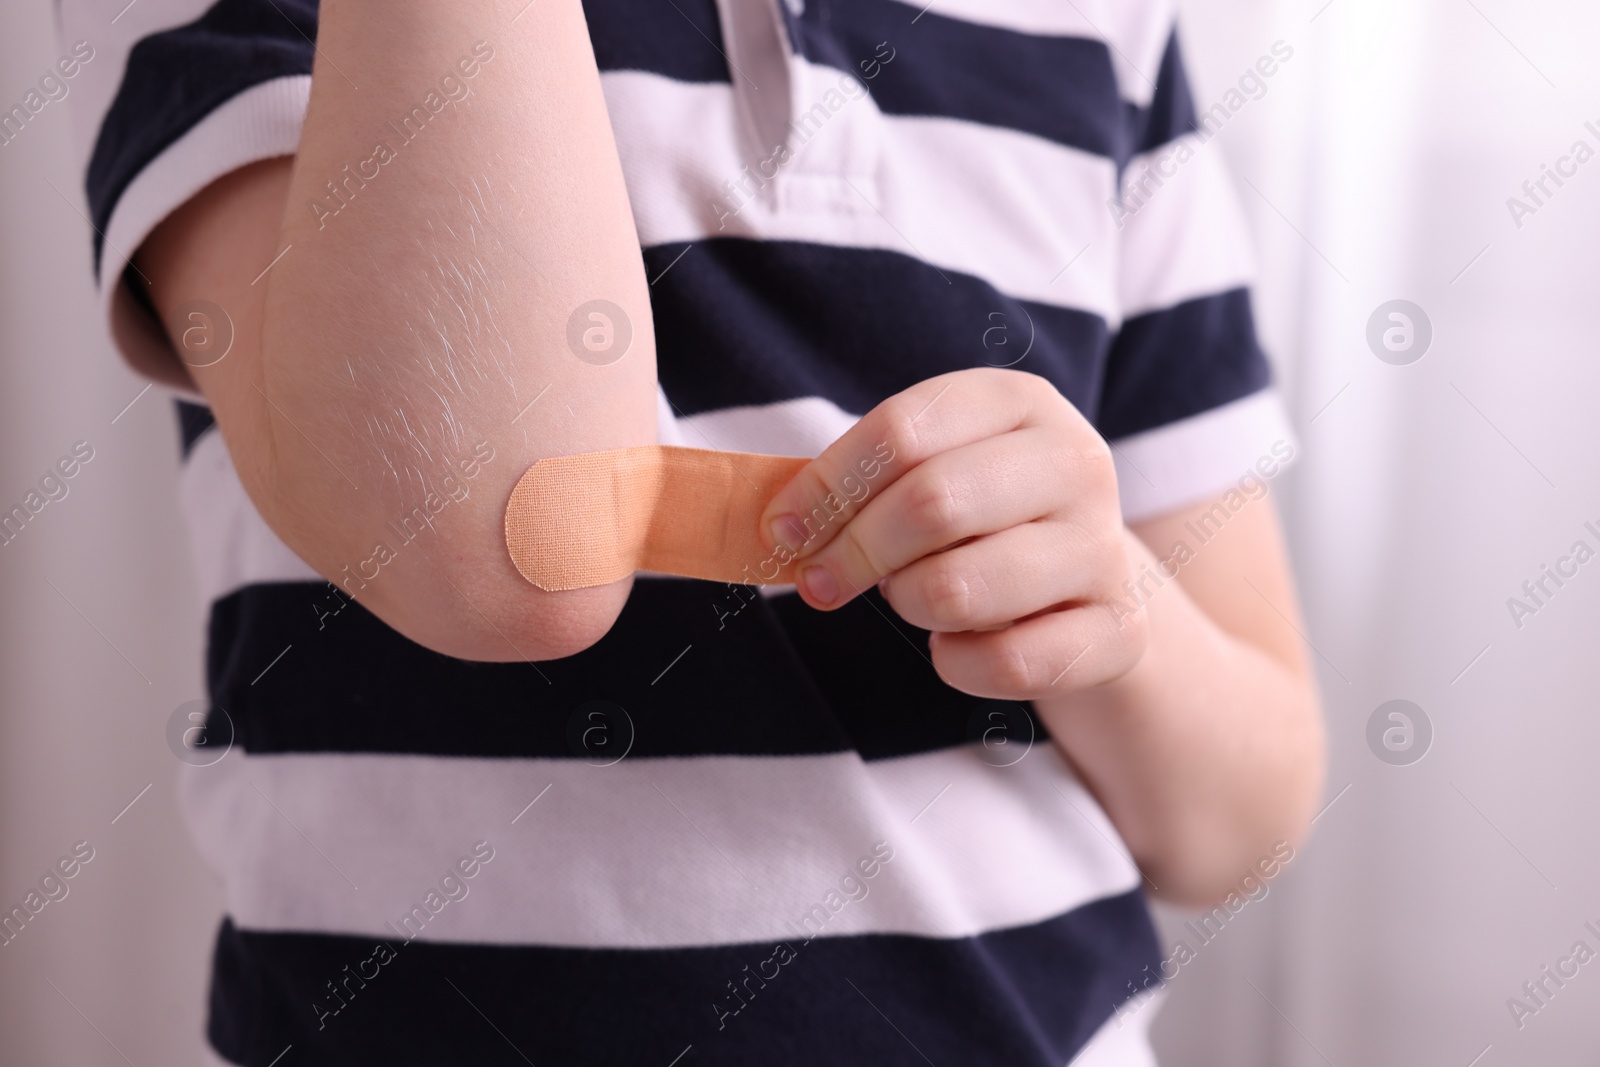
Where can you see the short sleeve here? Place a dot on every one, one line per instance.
(1188, 401)
(177, 93)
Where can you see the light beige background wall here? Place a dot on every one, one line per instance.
(100, 637)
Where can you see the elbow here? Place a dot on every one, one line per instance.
(1301, 776)
(456, 592)
(1248, 882)
(440, 575)
(1211, 853)
(1222, 877)
(470, 617)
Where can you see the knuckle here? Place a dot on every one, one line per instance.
(949, 596)
(931, 507)
(1040, 392)
(818, 513)
(898, 417)
(1097, 450)
(1013, 671)
(861, 560)
(1089, 449)
(1038, 385)
(1093, 465)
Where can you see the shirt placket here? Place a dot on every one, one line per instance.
(809, 135)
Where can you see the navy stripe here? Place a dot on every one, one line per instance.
(1063, 89)
(1181, 361)
(175, 78)
(677, 38)
(753, 322)
(872, 668)
(193, 421)
(1164, 365)
(1170, 113)
(1027, 997)
(764, 678)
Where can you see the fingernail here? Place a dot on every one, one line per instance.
(819, 585)
(782, 531)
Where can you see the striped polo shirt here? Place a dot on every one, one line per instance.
(736, 830)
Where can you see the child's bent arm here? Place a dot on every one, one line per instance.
(1209, 751)
(456, 199)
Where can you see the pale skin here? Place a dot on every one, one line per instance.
(432, 309)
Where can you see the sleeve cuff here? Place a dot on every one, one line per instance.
(1194, 459)
(259, 123)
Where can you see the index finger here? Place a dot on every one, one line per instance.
(931, 417)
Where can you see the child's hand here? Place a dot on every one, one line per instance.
(998, 464)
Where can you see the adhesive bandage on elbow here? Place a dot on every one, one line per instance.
(595, 518)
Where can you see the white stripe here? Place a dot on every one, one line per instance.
(803, 427)
(653, 852)
(997, 204)
(1124, 1039)
(1187, 237)
(231, 543)
(1200, 457)
(1135, 32)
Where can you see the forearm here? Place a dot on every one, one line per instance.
(430, 263)
(1204, 754)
